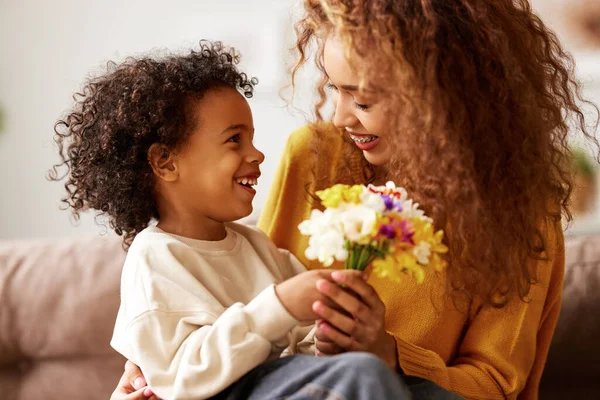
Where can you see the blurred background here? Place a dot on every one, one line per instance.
(49, 47)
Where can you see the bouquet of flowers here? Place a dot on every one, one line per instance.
(378, 225)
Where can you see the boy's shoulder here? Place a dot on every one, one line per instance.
(278, 261)
(258, 240)
(153, 240)
(153, 237)
(250, 232)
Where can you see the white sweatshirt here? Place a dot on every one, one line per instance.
(197, 315)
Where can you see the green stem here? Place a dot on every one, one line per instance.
(354, 257)
(364, 258)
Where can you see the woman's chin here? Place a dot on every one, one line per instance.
(380, 155)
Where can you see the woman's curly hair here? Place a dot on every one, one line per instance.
(480, 97)
(104, 140)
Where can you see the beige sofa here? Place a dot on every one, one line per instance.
(58, 301)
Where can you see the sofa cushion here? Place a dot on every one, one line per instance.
(58, 303)
(574, 357)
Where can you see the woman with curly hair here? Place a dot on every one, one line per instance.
(203, 300)
(468, 104)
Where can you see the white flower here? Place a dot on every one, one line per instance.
(313, 224)
(373, 201)
(326, 248)
(321, 222)
(358, 223)
(326, 241)
(403, 193)
(422, 251)
(392, 186)
(411, 210)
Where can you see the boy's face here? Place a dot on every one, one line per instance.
(219, 164)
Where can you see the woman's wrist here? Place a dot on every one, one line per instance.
(391, 352)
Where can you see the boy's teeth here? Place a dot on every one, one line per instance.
(246, 181)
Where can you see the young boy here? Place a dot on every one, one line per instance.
(170, 141)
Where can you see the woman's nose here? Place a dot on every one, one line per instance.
(344, 113)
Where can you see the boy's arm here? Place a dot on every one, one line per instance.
(302, 338)
(196, 353)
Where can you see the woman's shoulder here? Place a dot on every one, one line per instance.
(299, 141)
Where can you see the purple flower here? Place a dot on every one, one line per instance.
(391, 203)
(407, 231)
(387, 200)
(388, 231)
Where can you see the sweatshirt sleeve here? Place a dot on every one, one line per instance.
(302, 338)
(194, 348)
(290, 265)
(503, 348)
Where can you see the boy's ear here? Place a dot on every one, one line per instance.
(162, 161)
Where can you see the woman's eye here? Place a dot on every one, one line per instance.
(234, 139)
(363, 107)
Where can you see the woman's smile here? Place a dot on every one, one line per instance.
(365, 142)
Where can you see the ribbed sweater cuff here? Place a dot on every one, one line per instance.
(417, 361)
(268, 317)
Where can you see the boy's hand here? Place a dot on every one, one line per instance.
(298, 294)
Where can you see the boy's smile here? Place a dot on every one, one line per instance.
(248, 180)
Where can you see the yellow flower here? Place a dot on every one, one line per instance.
(401, 262)
(424, 232)
(332, 197)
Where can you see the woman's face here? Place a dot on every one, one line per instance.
(360, 113)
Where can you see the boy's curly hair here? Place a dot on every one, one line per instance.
(104, 140)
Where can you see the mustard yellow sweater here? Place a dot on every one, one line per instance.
(486, 353)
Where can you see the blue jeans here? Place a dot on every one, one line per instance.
(348, 376)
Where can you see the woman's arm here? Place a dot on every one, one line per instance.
(132, 385)
(502, 352)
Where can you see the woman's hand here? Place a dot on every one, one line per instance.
(132, 385)
(364, 332)
(324, 346)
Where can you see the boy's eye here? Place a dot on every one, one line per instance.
(361, 106)
(234, 139)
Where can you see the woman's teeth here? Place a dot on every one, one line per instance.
(363, 139)
(247, 181)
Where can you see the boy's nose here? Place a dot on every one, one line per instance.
(256, 156)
